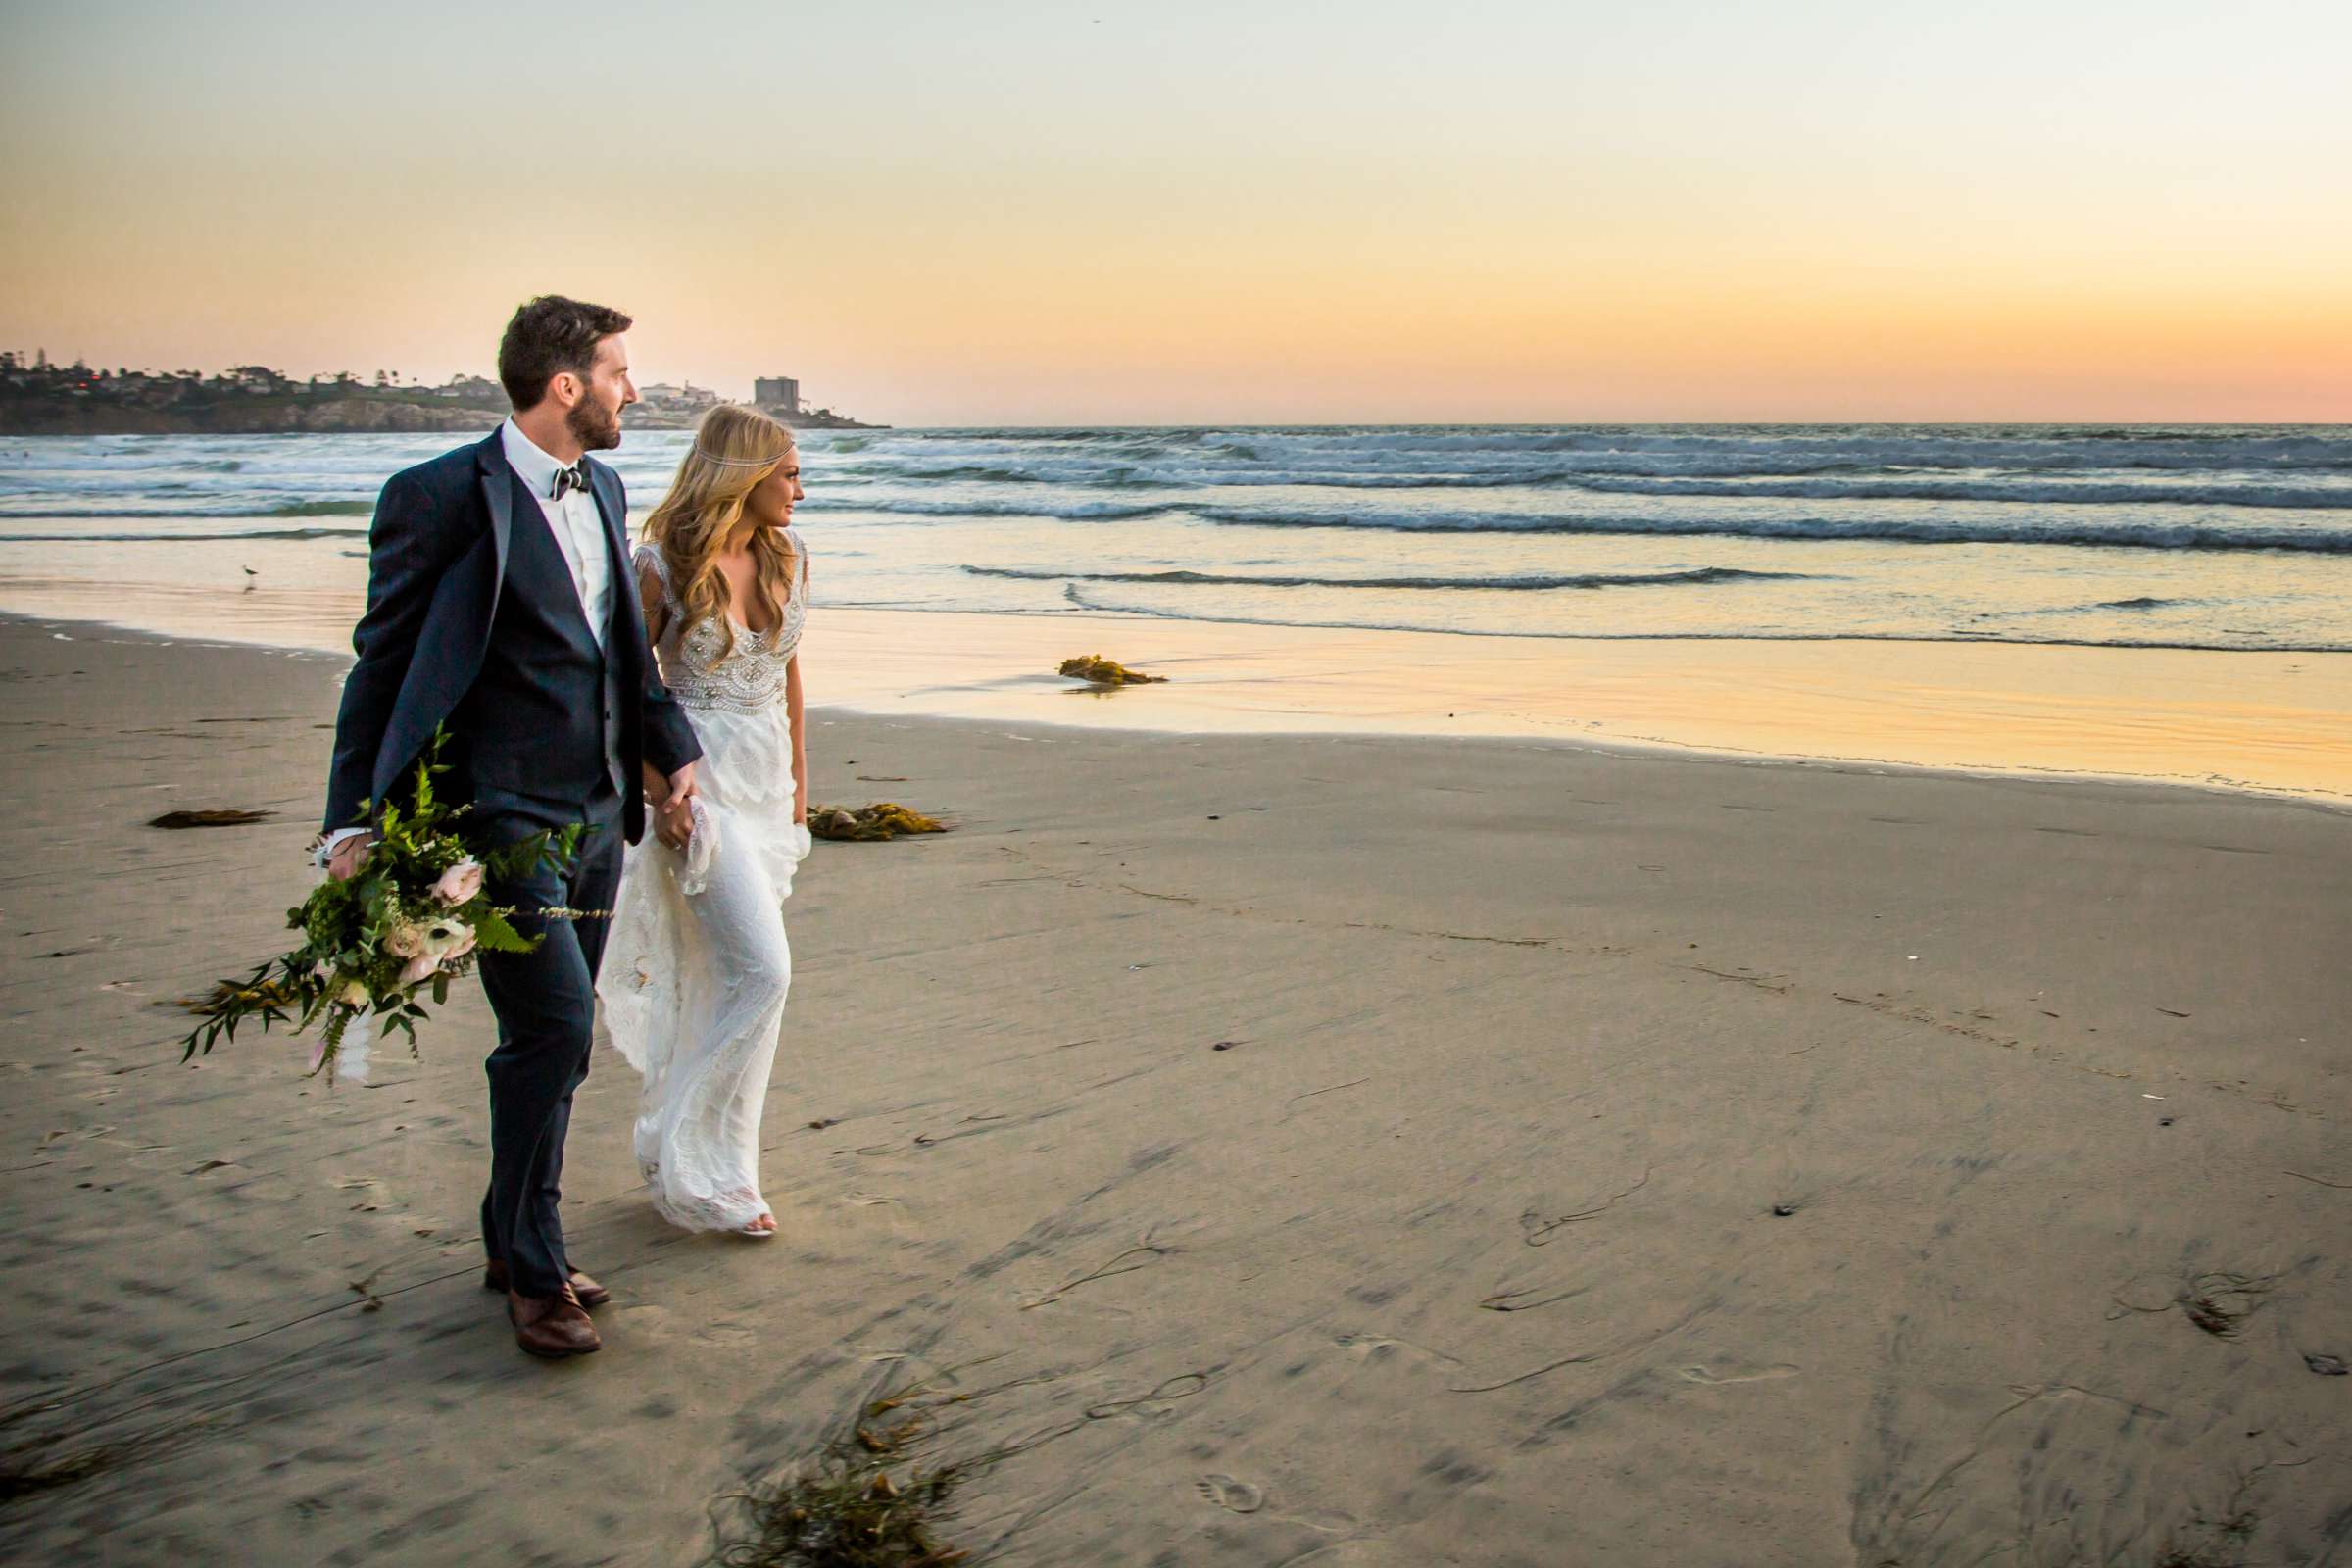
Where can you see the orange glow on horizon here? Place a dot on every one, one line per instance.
(1231, 218)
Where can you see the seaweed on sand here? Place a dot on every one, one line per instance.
(2210, 1542)
(2227, 1549)
(843, 1507)
(839, 1514)
(2220, 1303)
(1102, 671)
(37, 1465)
(884, 820)
(213, 817)
(2217, 1302)
(62, 1456)
(869, 1495)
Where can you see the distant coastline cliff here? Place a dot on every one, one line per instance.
(39, 398)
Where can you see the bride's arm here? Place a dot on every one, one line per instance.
(800, 740)
(651, 594)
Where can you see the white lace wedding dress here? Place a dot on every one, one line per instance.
(696, 968)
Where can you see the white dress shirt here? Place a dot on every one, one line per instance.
(574, 521)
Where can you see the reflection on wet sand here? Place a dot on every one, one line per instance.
(2246, 721)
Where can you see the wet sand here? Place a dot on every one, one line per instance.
(2276, 723)
(1464, 1247)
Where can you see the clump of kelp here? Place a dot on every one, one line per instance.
(2221, 1303)
(2217, 1302)
(872, 1497)
(865, 1499)
(2223, 1541)
(868, 824)
(210, 817)
(1100, 671)
(32, 1462)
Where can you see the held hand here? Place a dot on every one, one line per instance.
(681, 786)
(674, 821)
(349, 856)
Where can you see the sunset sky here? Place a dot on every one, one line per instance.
(1106, 213)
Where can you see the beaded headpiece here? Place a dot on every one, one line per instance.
(737, 462)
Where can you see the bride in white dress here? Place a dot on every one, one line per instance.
(697, 967)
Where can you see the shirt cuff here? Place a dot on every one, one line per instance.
(326, 846)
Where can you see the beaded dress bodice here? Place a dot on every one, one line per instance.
(698, 667)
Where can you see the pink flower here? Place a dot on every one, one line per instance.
(404, 940)
(459, 882)
(464, 944)
(420, 968)
(318, 1051)
(354, 995)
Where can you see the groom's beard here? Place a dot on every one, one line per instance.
(596, 427)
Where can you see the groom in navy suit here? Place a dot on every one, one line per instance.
(501, 608)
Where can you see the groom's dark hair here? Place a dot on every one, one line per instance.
(547, 336)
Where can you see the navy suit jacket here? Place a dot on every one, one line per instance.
(437, 565)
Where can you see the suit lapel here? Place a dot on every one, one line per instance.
(502, 487)
(627, 620)
(497, 481)
(606, 486)
(498, 492)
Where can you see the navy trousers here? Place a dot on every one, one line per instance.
(545, 1002)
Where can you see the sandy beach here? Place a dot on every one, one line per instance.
(1716, 935)
(1325, 1150)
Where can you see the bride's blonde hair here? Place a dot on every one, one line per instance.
(735, 447)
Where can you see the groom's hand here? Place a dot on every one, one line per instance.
(681, 787)
(343, 862)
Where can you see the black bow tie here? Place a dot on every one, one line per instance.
(575, 477)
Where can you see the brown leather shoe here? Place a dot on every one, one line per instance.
(592, 1295)
(552, 1326)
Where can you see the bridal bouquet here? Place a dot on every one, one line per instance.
(413, 918)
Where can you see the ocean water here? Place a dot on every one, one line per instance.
(2210, 537)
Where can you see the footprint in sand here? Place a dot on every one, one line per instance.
(1701, 1374)
(1226, 1492)
(1329, 1521)
(724, 1335)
